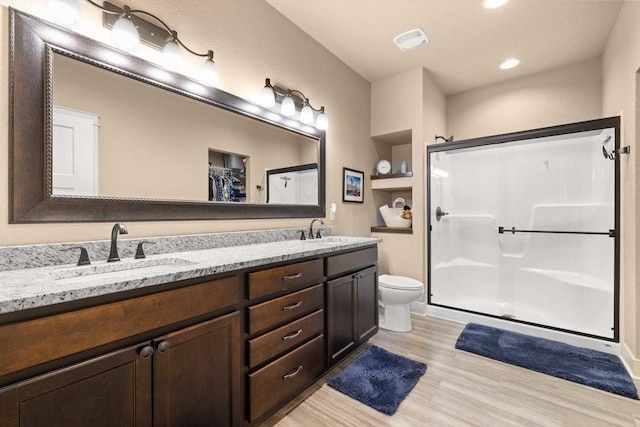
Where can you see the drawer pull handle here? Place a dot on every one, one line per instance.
(292, 306)
(292, 335)
(293, 276)
(292, 374)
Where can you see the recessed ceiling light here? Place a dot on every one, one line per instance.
(411, 39)
(493, 4)
(510, 63)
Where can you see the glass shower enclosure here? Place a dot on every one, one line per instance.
(524, 227)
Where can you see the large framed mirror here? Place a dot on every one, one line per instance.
(96, 135)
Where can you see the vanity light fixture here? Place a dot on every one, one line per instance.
(65, 12)
(129, 29)
(288, 104)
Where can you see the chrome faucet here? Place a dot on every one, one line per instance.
(311, 228)
(118, 228)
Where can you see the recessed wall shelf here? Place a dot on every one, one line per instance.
(397, 230)
(392, 175)
(393, 183)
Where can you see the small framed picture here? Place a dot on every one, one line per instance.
(352, 185)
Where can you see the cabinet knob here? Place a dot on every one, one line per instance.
(163, 346)
(292, 374)
(146, 351)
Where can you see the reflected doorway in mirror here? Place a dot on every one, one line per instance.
(75, 152)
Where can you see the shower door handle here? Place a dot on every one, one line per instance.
(440, 213)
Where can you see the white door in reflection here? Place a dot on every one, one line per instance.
(75, 155)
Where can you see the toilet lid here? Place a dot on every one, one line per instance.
(399, 282)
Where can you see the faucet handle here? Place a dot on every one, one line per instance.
(140, 251)
(84, 255)
(318, 235)
(302, 236)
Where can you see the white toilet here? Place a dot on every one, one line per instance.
(396, 293)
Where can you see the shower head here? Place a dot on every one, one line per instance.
(446, 140)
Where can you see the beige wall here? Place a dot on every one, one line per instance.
(564, 95)
(620, 64)
(407, 101)
(396, 106)
(252, 41)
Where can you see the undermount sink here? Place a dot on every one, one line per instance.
(107, 268)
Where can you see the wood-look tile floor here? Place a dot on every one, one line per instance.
(461, 389)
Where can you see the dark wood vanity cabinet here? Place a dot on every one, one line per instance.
(285, 349)
(352, 302)
(113, 389)
(215, 352)
(189, 376)
(196, 377)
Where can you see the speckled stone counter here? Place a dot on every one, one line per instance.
(33, 256)
(37, 287)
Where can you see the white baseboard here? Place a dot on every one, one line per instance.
(418, 307)
(631, 363)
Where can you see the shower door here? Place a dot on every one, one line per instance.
(522, 227)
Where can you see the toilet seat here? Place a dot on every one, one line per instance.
(399, 282)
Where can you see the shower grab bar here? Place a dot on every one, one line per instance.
(513, 230)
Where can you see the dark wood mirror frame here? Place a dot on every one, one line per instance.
(32, 43)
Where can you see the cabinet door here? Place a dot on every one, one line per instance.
(341, 322)
(111, 390)
(367, 303)
(197, 375)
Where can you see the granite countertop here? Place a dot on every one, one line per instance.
(38, 287)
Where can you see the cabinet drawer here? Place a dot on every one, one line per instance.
(278, 279)
(285, 337)
(352, 261)
(29, 343)
(278, 380)
(267, 314)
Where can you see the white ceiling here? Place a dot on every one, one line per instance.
(468, 42)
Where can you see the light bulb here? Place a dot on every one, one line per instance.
(65, 12)
(306, 115)
(288, 108)
(209, 74)
(172, 57)
(509, 63)
(322, 122)
(493, 4)
(267, 97)
(124, 34)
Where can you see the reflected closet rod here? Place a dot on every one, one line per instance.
(513, 230)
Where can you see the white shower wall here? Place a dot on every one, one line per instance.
(564, 281)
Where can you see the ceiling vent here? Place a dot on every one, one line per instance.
(411, 39)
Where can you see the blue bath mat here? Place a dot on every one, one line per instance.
(379, 379)
(589, 367)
